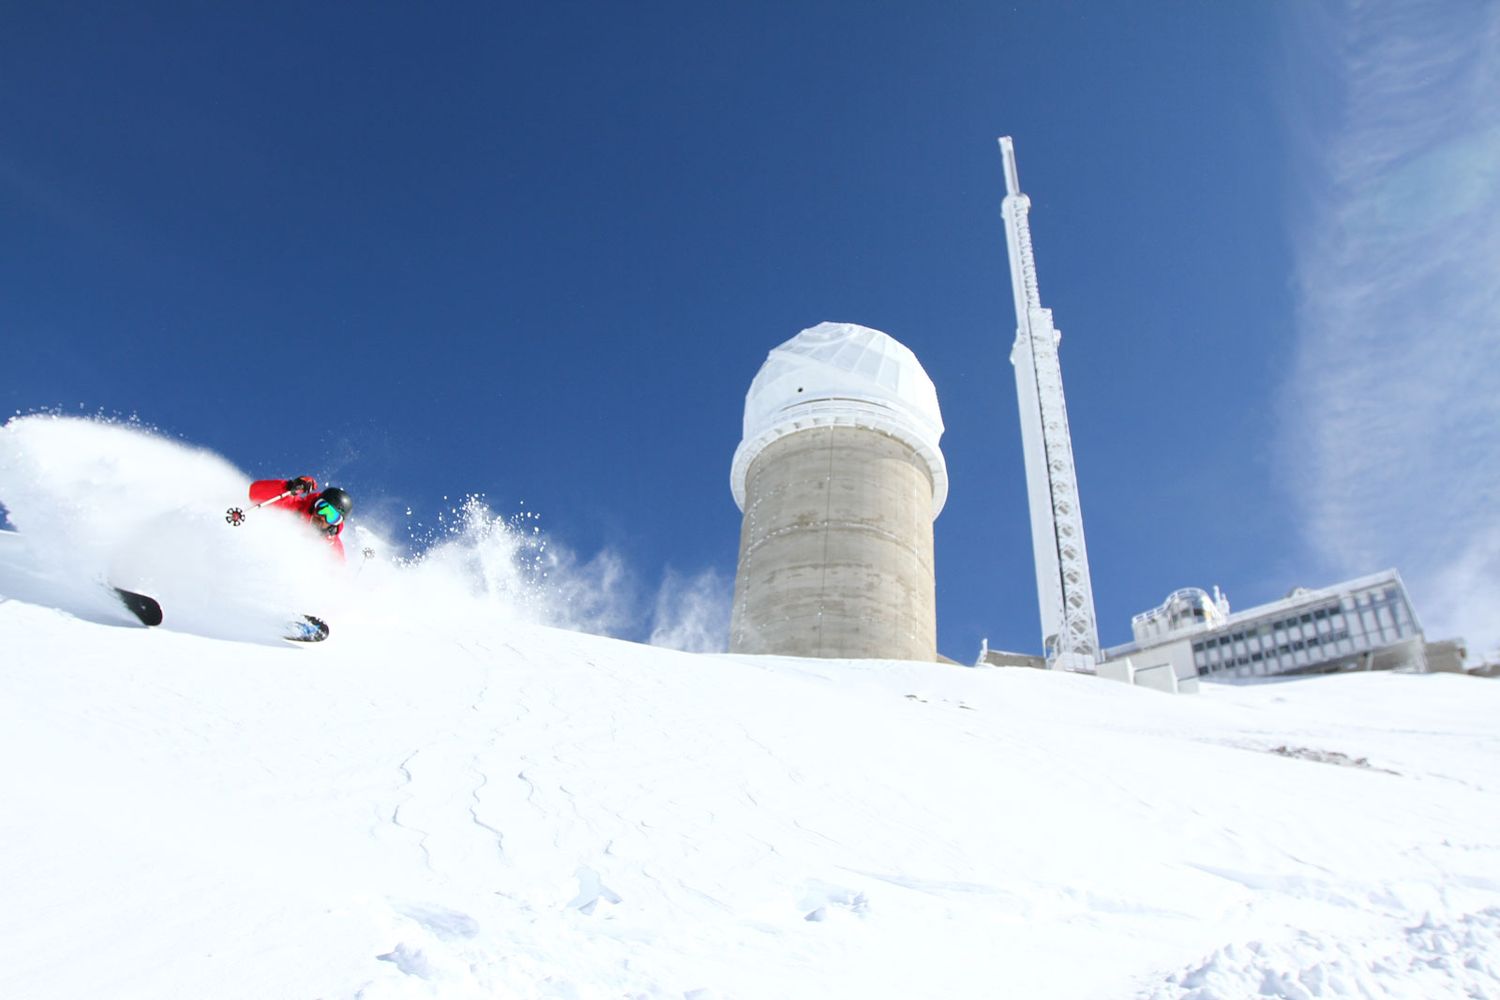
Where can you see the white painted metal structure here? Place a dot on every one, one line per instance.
(1187, 608)
(842, 375)
(1070, 633)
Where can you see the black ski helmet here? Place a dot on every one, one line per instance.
(339, 499)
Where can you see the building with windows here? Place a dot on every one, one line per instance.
(1362, 624)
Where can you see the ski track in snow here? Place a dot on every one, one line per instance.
(456, 802)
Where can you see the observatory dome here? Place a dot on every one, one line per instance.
(842, 374)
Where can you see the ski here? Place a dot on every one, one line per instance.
(308, 629)
(148, 611)
(145, 608)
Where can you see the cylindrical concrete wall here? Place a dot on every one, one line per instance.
(836, 549)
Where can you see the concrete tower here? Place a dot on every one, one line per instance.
(840, 477)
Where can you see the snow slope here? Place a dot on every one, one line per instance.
(460, 802)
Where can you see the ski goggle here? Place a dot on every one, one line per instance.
(330, 514)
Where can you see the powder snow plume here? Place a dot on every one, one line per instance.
(96, 502)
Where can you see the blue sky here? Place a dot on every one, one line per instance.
(539, 251)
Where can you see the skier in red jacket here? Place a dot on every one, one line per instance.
(327, 511)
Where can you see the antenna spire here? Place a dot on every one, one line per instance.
(1070, 634)
(1008, 152)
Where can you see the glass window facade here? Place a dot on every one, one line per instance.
(1329, 632)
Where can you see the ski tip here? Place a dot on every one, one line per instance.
(146, 609)
(308, 629)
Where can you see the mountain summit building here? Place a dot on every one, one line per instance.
(839, 477)
(1363, 624)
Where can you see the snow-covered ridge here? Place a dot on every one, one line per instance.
(518, 811)
(471, 804)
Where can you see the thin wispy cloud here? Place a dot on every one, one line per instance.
(1391, 426)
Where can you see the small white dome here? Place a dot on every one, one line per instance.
(842, 374)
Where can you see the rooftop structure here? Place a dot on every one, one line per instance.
(842, 375)
(1186, 608)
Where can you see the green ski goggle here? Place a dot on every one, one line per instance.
(328, 512)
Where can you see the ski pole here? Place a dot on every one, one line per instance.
(236, 516)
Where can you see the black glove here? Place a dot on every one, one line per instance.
(300, 485)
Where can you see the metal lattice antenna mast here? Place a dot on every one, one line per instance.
(1070, 633)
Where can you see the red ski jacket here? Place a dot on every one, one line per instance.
(264, 489)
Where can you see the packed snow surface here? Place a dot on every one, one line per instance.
(449, 799)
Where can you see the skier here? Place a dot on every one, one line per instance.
(327, 511)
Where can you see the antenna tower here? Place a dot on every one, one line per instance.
(1070, 633)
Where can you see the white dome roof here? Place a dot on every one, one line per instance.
(841, 374)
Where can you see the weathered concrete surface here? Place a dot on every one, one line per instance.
(836, 549)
